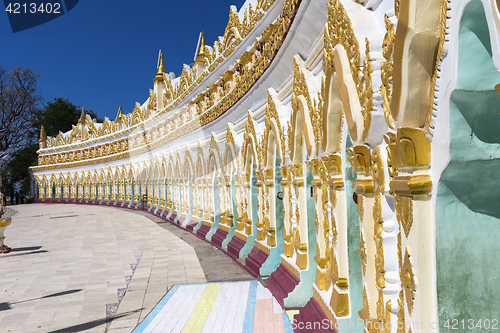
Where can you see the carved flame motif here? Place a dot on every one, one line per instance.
(404, 212)
(408, 280)
(365, 90)
(386, 70)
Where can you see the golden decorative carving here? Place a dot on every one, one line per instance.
(409, 148)
(404, 212)
(364, 313)
(366, 303)
(365, 90)
(183, 87)
(229, 135)
(340, 31)
(386, 69)
(360, 159)
(250, 137)
(381, 309)
(301, 90)
(361, 208)
(378, 169)
(342, 306)
(408, 280)
(363, 253)
(379, 264)
(437, 67)
(377, 217)
(273, 117)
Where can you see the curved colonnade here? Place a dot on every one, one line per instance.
(309, 143)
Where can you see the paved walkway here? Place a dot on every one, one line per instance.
(71, 265)
(73, 268)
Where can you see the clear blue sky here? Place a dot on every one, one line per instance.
(104, 53)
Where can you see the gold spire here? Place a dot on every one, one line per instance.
(161, 70)
(161, 67)
(201, 53)
(120, 116)
(83, 116)
(43, 136)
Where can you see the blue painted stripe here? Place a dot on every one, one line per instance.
(155, 310)
(250, 311)
(286, 321)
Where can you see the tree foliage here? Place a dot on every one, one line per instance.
(61, 115)
(20, 104)
(21, 113)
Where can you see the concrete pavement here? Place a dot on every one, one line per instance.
(74, 267)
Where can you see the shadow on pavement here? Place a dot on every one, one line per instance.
(30, 248)
(91, 324)
(7, 306)
(24, 254)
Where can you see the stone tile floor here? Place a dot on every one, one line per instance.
(74, 266)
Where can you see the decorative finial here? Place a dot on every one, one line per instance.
(201, 53)
(161, 67)
(43, 136)
(120, 116)
(83, 116)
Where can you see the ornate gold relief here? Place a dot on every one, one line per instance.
(248, 137)
(408, 279)
(387, 319)
(397, 4)
(364, 313)
(378, 169)
(340, 31)
(381, 309)
(366, 303)
(301, 90)
(379, 264)
(360, 159)
(339, 300)
(409, 148)
(365, 90)
(412, 185)
(363, 253)
(333, 167)
(437, 68)
(273, 117)
(404, 212)
(229, 135)
(386, 69)
(377, 217)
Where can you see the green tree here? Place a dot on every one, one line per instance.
(58, 115)
(61, 115)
